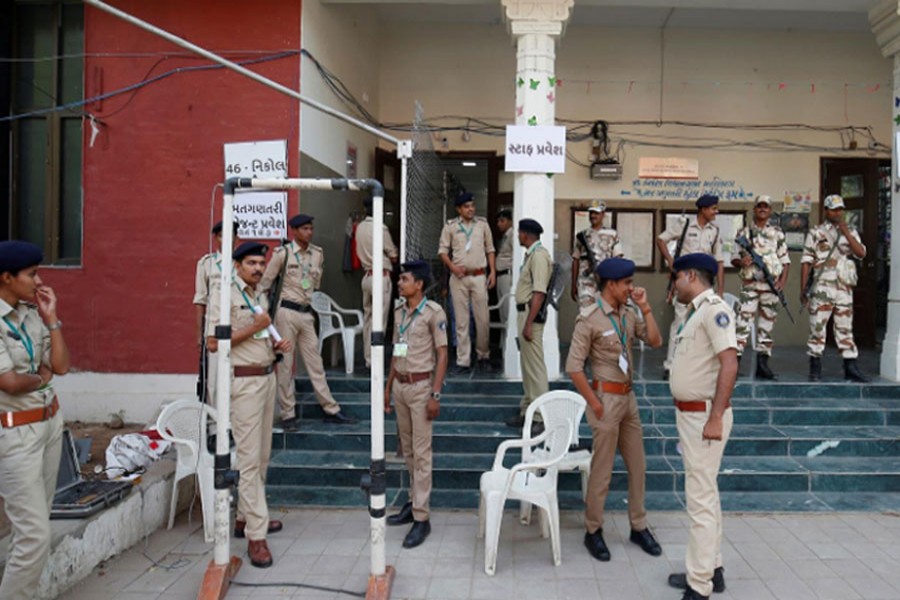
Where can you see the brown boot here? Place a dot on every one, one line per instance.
(240, 526)
(259, 554)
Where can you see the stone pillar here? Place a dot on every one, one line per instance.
(535, 25)
(884, 18)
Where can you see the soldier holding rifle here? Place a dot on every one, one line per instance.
(595, 244)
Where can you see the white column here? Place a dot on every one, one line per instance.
(535, 25)
(884, 18)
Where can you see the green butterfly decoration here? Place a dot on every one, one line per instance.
(532, 121)
(534, 83)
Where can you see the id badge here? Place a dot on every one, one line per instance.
(401, 350)
(468, 245)
(305, 283)
(623, 363)
(261, 335)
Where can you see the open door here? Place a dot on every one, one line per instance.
(859, 181)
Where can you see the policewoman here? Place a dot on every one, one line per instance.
(32, 351)
(418, 367)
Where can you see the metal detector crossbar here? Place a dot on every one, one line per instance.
(224, 478)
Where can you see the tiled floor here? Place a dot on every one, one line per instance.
(785, 556)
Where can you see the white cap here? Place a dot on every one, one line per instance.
(763, 199)
(597, 206)
(834, 201)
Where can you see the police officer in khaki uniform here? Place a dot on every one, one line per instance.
(467, 250)
(605, 332)
(294, 320)
(704, 370)
(603, 243)
(252, 395)
(32, 351)
(531, 289)
(207, 280)
(699, 236)
(364, 253)
(417, 373)
(829, 251)
(504, 261)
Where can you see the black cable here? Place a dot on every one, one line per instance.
(309, 586)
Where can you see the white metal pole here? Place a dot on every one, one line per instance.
(404, 153)
(377, 503)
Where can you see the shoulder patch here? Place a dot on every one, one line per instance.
(586, 311)
(442, 325)
(722, 319)
(433, 305)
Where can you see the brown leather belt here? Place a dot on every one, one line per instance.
(474, 272)
(304, 308)
(253, 371)
(32, 415)
(412, 377)
(612, 387)
(694, 405)
(386, 272)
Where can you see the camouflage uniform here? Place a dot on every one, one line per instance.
(756, 295)
(604, 243)
(833, 291)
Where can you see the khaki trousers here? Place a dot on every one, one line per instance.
(534, 371)
(702, 459)
(470, 289)
(252, 410)
(414, 429)
(504, 285)
(29, 461)
(300, 328)
(619, 428)
(212, 370)
(366, 286)
(681, 311)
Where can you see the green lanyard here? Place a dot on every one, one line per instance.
(412, 318)
(468, 233)
(528, 254)
(246, 299)
(305, 268)
(690, 314)
(623, 333)
(23, 337)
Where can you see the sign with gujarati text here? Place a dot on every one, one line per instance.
(266, 159)
(261, 215)
(668, 168)
(535, 149)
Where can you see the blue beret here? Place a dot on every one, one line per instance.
(217, 228)
(530, 226)
(419, 269)
(16, 255)
(697, 260)
(300, 220)
(707, 200)
(464, 197)
(249, 249)
(615, 269)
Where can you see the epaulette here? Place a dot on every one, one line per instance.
(433, 305)
(716, 299)
(586, 311)
(478, 218)
(206, 257)
(453, 221)
(279, 248)
(314, 248)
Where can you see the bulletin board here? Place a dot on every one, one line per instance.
(729, 223)
(635, 228)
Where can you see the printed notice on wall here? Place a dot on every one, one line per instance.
(267, 159)
(535, 149)
(668, 168)
(261, 215)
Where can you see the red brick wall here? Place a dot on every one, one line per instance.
(149, 177)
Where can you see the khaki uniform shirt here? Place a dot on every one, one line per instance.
(14, 356)
(818, 245)
(704, 239)
(535, 274)
(771, 246)
(424, 330)
(595, 337)
(303, 274)
(708, 330)
(505, 255)
(467, 245)
(603, 243)
(364, 245)
(256, 351)
(208, 278)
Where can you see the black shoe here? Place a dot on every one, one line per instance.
(403, 517)
(292, 424)
(692, 594)
(537, 428)
(596, 546)
(665, 374)
(417, 534)
(852, 372)
(762, 368)
(339, 418)
(679, 580)
(646, 541)
(516, 421)
(485, 366)
(815, 368)
(460, 370)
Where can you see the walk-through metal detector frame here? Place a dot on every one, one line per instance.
(223, 566)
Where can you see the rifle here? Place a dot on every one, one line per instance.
(678, 248)
(592, 261)
(555, 289)
(744, 243)
(278, 285)
(814, 276)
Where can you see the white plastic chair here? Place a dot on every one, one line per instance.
(184, 423)
(331, 322)
(573, 460)
(534, 481)
(732, 301)
(499, 324)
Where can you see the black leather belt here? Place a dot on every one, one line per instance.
(304, 308)
(503, 272)
(521, 307)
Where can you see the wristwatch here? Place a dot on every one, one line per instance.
(57, 325)
(436, 396)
